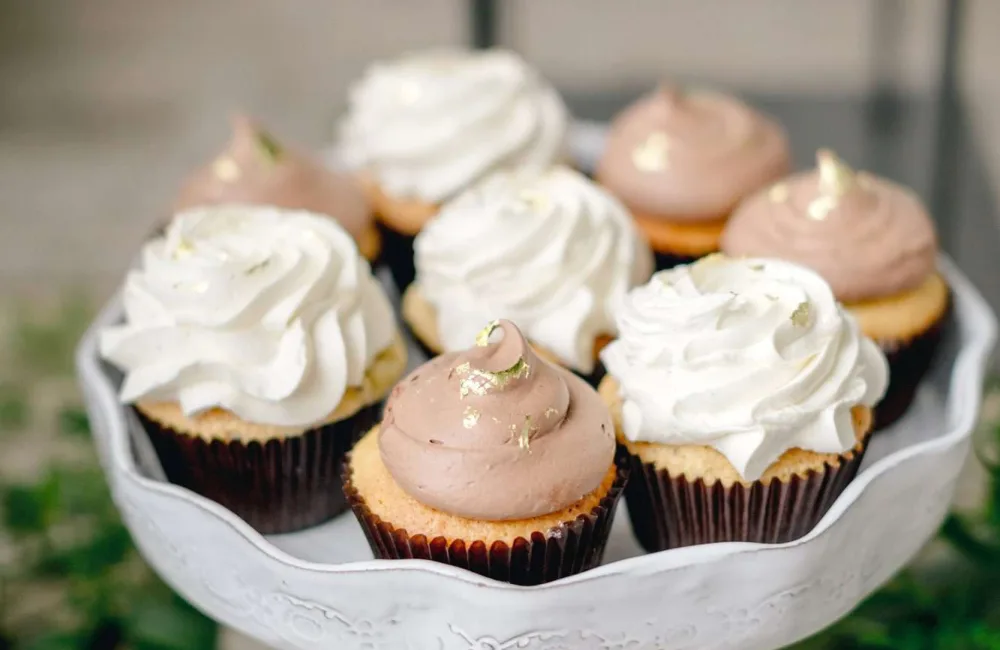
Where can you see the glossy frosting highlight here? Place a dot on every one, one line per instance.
(752, 357)
(428, 125)
(867, 236)
(551, 251)
(255, 169)
(266, 313)
(690, 156)
(496, 433)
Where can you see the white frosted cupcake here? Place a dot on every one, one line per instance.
(742, 392)
(257, 347)
(551, 251)
(422, 128)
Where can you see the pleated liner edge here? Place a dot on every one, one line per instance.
(277, 485)
(670, 512)
(568, 549)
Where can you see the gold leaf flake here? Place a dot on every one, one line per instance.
(835, 180)
(534, 200)
(778, 193)
(226, 169)
(183, 249)
(524, 439)
(269, 147)
(259, 266)
(801, 315)
(483, 337)
(470, 418)
(549, 412)
(481, 382)
(651, 154)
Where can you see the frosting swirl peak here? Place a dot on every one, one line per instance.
(495, 432)
(750, 356)
(551, 251)
(867, 236)
(255, 169)
(426, 126)
(690, 156)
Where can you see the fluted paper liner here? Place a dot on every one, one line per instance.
(573, 547)
(277, 485)
(671, 511)
(909, 361)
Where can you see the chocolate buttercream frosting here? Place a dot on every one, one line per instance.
(867, 236)
(256, 169)
(691, 156)
(496, 433)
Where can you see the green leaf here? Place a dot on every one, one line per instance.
(13, 408)
(73, 422)
(30, 509)
(91, 559)
(171, 625)
(55, 640)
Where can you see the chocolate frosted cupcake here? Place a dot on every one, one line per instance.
(551, 251)
(681, 161)
(423, 128)
(874, 242)
(256, 170)
(257, 347)
(492, 460)
(741, 392)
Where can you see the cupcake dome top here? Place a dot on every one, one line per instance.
(496, 433)
(750, 356)
(255, 169)
(427, 125)
(549, 250)
(265, 313)
(867, 236)
(690, 156)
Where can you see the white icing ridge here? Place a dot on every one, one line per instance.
(270, 314)
(750, 356)
(551, 251)
(428, 125)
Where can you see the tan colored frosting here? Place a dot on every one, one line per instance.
(691, 156)
(254, 169)
(867, 236)
(496, 433)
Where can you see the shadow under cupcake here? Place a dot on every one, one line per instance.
(491, 460)
(257, 348)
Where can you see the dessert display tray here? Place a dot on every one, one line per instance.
(320, 588)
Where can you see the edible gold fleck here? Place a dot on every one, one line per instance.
(183, 249)
(481, 382)
(835, 180)
(778, 193)
(524, 440)
(259, 266)
(269, 147)
(483, 337)
(651, 154)
(470, 418)
(534, 200)
(226, 169)
(549, 412)
(801, 315)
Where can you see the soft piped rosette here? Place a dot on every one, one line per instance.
(874, 242)
(549, 250)
(256, 349)
(683, 159)
(493, 460)
(256, 169)
(742, 393)
(423, 128)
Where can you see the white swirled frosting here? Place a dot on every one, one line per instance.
(426, 126)
(750, 356)
(551, 251)
(269, 314)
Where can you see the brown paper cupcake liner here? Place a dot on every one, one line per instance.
(671, 512)
(276, 486)
(909, 362)
(397, 254)
(568, 549)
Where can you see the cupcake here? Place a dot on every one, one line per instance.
(551, 251)
(874, 242)
(682, 161)
(256, 349)
(741, 392)
(256, 170)
(422, 128)
(493, 460)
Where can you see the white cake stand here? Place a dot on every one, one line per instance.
(320, 588)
